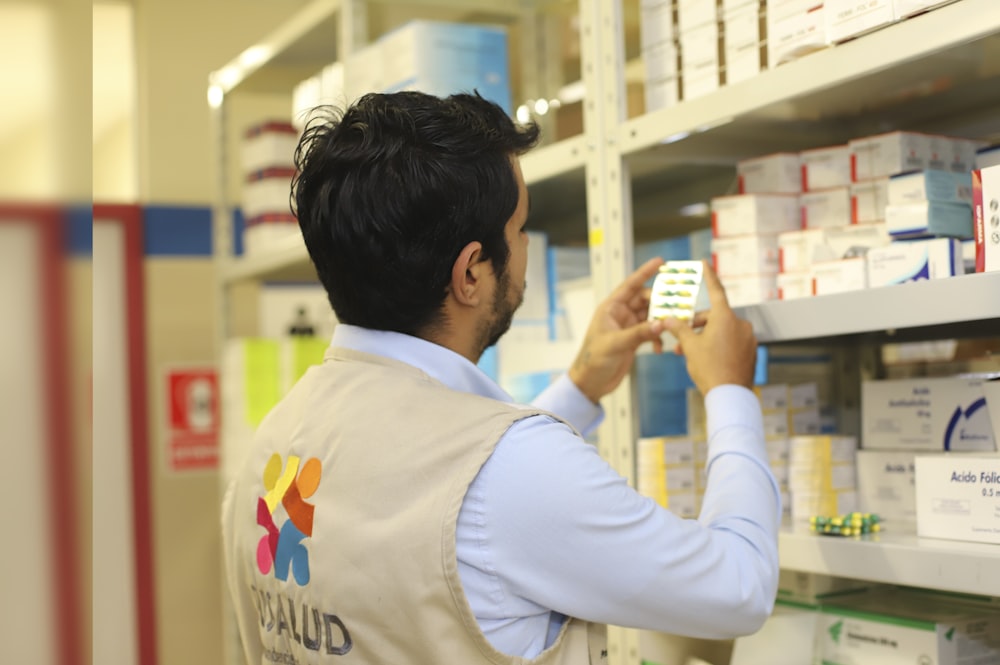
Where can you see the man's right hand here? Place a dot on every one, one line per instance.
(724, 351)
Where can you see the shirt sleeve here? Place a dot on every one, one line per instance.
(565, 400)
(567, 532)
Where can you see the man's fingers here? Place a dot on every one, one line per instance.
(700, 318)
(716, 292)
(630, 338)
(634, 283)
(679, 329)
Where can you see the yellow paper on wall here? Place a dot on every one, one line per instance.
(261, 378)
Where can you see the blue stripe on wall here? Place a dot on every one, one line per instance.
(79, 237)
(177, 231)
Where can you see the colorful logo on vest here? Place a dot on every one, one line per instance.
(282, 549)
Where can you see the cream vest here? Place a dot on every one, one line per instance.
(342, 537)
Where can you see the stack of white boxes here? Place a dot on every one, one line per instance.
(700, 40)
(660, 54)
(324, 89)
(745, 227)
(794, 28)
(665, 472)
(744, 39)
(774, 407)
(268, 167)
(822, 475)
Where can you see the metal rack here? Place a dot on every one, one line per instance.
(619, 169)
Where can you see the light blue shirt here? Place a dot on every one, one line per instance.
(548, 529)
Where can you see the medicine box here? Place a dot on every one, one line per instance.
(798, 249)
(887, 154)
(776, 425)
(662, 61)
(771, 174)
(986, 196)
(700, 80)
(786, 638)
(921, 186)
(811, 588)
(948, 153)
(826, 168)
(827, 208)
(803, 396)
(822, 450)
(886, 484)
(269, 145)
(750, 289)
(265, 196)
(868, 201)
(906, 8)
(792, 285)
(701, 60)
(772, 397)
(777, 451)
(896, 627)
(445, 58)
(657, 23)
(930, 218)
(839, 276)
(805, 421)
(846, 19)
(662, 94)
(794, 29)
(829, 503)
(928, 414)
(912, 261)
(693, 14)
(682, 504)
(754, 214)
(744, 62)
(742, 25)
(834, 477)
(745, 255)
(958, 497)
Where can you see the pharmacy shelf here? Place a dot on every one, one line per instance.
(894, 77)
(286, 262)
(893, 557)
(958, 306)
(558, 159)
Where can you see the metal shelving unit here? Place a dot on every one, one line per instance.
(933, 72)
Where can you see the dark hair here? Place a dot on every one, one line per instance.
(388, 194)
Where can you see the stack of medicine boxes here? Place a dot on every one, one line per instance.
(744, 39)
(268, 167)
(794, 28)
(700, 40)
(745, 227)
(660, 55)
(665, 472)
(839, 225)
(822, 475)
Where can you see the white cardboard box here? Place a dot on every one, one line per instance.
(792, 285)
(893, 627)
(809, 451)
(805, 421)
(839, 276)
(829, 503)
(846, 19)
(987, 157)
(827, 208)
(803, 396)
(750, 289)
(700, 47)
(692, 14)
(868, 201)
(948, 153)
(888, 154)
(986, 195)
(930, 185)
(777, 452)
(662, 94)
(786, 638)
(662, 61)
(798, 250)
(656, 23)
(886, 484)
(776, 426)
(794, 34)
(754, 214)
(836, 477)
(915, 260)
(269, 145)
(958, 497)
(742, 26)
(773, 397)
(772, 174)
(700, 81)
(826, 168)
(744, 62)
(929, 414)
(930, 218)
(745, 255)
(905, 8)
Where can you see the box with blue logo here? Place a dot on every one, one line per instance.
(915, 260)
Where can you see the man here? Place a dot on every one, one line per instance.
(396, 507)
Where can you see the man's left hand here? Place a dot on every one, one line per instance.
(616, 330)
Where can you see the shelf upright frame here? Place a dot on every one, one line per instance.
(609, 230)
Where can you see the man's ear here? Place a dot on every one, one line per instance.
(467, 275)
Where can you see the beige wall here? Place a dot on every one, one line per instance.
(115, 170)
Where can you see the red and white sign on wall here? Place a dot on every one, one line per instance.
(193, 419)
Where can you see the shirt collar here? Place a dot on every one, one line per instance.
(444, 365)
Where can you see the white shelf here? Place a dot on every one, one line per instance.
(969, 299)
(894, 558)
(554, 160)
(846, 80)
(287, 262)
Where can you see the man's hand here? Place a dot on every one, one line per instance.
(616, 330)
(724, 351)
